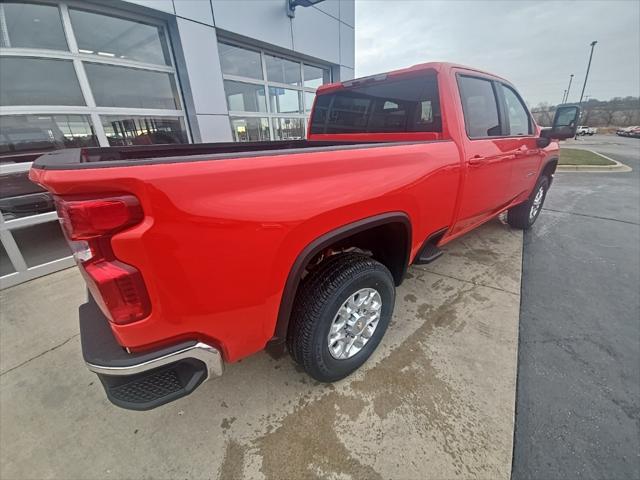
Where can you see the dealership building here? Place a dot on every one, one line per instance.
(84, 73)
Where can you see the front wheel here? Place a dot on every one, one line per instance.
(340, 314)
(523, 216)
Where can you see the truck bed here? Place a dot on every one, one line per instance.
(217, 215)
(102, 157)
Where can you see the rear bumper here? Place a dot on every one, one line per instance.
(142, 381)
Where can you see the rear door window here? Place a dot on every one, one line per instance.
(519, 122)
(404, 105)
(480, 107)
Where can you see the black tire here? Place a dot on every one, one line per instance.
(520, 215)
(317, 302)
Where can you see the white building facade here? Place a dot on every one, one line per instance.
(80, 73)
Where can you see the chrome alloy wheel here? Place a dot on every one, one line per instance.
(354, 324)
(537, 203)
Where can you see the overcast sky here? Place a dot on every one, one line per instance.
(534, 44)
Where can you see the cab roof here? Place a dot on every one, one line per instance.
(435, 67)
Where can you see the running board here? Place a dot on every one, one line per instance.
(428, 254)
(430, 251)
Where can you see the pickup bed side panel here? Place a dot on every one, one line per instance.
(219, 238)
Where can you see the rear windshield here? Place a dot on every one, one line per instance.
(403, 105)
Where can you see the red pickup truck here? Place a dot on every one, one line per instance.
(197, 255)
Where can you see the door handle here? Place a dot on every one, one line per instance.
(477, 160)
(526, 151)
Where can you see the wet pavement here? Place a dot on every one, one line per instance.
(435, 400)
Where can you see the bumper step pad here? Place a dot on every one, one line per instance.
(148, 389)
(156, 387)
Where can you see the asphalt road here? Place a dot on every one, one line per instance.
(578, 389)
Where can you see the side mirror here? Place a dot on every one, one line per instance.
(565, 123)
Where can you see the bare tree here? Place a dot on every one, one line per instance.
(619, 112)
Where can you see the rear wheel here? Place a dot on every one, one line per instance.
(523, 216)
(340, 314)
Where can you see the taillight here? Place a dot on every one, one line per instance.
(89, 224)
(86, 219)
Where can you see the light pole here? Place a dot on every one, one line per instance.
(568, 90)
(564, 95)
(586, 75)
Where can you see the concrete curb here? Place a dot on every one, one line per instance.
(617, 168)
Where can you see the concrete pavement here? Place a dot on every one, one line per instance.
(435, 401)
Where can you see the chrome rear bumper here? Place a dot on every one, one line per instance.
(209, 355)
(142, 381)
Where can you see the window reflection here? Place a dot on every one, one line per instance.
(121, 130)
(314, 76)
(19, 197)
(246, 87)
(240, 61)
(284, 100)
(288, 128)
(308, 100)
(480, 107)
(24, 134)
(113, 37)
(245, 97)
(250, 129)
(114, 86)
(282, 71)
(32, 26)
(36, 133)
(409, 104)
(518, 117)
(38, 81)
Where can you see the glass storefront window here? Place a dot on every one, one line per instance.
(36, 133)
(46, 103)
(131, 130)
(41, 243)
(32, 26)
(38, 81)
(240, 61)
(284, 100)
(250, 129)
(114, 86)
(283, 81)
(245, 97)
(114, 37)
(288, 128)
(315, 76)
(280, 70)
(308, 100)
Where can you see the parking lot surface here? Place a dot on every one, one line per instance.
(578, 407)
(435, 401)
